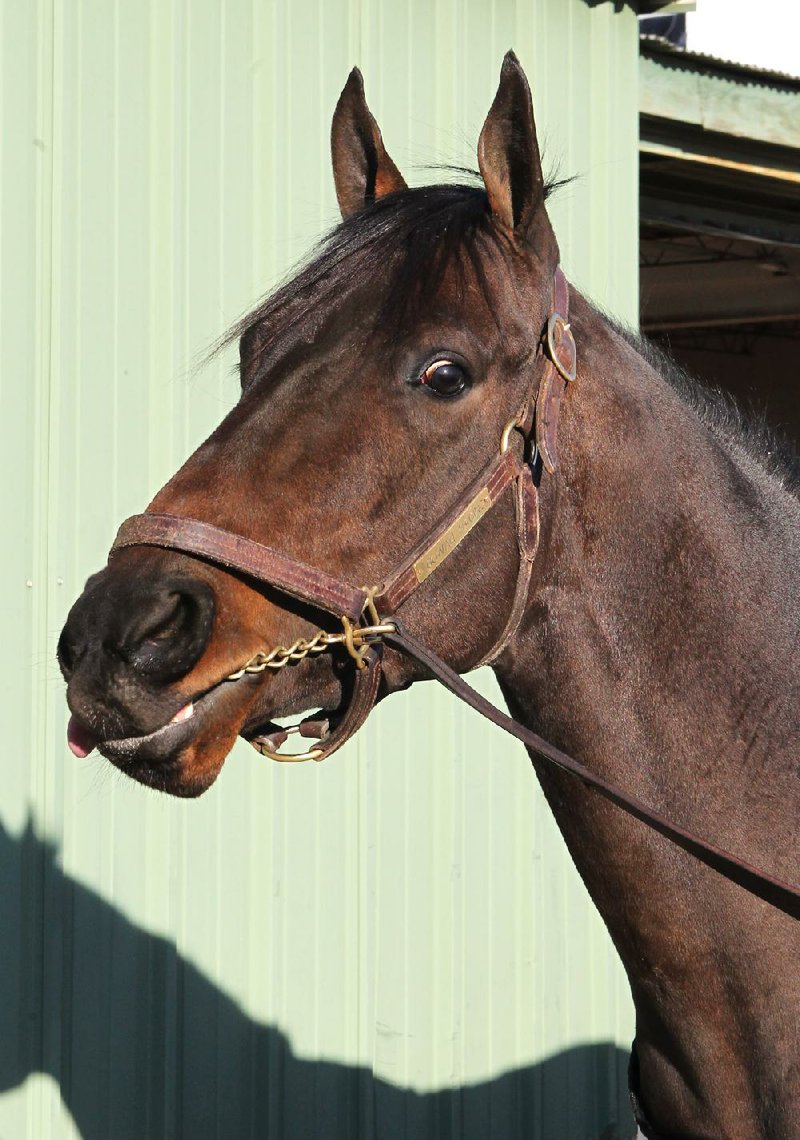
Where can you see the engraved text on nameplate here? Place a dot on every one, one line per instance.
(460, 528)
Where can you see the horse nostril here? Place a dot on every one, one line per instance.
(169, 629)
(162, 619)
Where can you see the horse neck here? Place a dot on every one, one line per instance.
(660, 647)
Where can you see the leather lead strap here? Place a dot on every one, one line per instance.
(784, 896)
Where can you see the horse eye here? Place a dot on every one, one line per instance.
(445, 378)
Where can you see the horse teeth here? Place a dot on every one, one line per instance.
(183, 714)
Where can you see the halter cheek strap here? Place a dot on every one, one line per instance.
(558, 356)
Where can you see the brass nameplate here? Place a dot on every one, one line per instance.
(459, 529)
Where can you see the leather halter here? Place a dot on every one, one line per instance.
(539, 415)
(556, 360)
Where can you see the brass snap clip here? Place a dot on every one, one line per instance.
(358, 638)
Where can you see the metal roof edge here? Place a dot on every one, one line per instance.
(661, 51)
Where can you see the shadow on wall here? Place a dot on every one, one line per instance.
(145, 1047)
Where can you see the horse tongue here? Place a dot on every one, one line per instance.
(80, 739)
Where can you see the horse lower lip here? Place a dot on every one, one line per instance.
(162, 743)
(166, 742)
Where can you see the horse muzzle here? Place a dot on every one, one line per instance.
(123, 651)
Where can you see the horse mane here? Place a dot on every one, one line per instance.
(403, 242)
(734, 426)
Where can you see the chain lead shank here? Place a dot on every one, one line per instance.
(355, 639)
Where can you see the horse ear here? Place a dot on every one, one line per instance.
(362, 170)
(508, 153)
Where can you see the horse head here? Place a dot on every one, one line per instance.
(375, 387)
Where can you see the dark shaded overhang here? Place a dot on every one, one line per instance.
(719, 191)
(646, 7)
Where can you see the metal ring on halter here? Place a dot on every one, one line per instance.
(291, 757)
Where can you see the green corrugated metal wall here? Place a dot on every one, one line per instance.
(390, 945)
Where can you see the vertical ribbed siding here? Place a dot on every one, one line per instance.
(242, 965)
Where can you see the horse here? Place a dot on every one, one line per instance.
(428, 405)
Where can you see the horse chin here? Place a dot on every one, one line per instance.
(184, 757)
